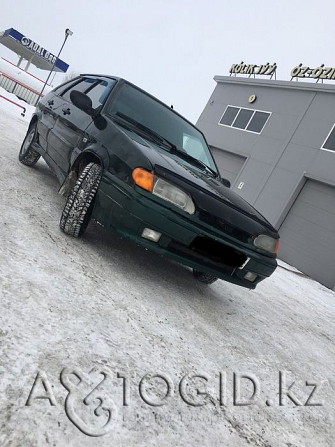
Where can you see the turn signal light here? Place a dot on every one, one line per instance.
(143, 178)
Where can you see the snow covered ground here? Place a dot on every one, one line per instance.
(10, 104)
(99, 313)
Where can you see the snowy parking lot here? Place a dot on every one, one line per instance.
(105, 343)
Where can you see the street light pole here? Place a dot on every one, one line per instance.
(68, 33)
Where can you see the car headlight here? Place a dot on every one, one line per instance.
(163, 189)
(168, 191)
(267, 243)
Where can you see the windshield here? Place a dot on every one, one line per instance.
(142, 108)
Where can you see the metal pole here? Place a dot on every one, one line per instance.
(67, 34)
(53, 78)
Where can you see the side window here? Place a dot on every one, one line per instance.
(61, 88)
(81, 86)
(99, 92)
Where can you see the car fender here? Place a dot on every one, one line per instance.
(90, 152)
(79, 159)
(33, 120)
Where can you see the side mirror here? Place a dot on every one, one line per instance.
(225, 182)
(82, 101)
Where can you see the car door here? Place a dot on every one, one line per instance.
(48, 107)
(68, 128)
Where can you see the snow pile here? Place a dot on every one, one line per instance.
(13, 109)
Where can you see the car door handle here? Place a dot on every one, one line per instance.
(66, 111)
(51, 103)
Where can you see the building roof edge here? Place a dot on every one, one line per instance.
(273, 83)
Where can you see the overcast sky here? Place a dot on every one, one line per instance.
(174, 48)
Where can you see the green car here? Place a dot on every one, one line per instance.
(139, 168)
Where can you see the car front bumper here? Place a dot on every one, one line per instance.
(128, 211)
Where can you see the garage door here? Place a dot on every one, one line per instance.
(229, 164)
(308, 233)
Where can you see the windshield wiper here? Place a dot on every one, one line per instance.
(193, 160)
(171, 146)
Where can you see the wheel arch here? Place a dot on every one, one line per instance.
(84, 158)
(78, 164)
(33, 121)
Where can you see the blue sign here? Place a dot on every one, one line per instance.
(34, 48)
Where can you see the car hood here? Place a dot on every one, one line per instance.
(212, 198)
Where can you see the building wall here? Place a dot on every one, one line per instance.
(279, 161)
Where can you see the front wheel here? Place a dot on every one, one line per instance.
(78, 208)
(28, 156)
(203, 277)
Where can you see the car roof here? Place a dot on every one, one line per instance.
(117, 78)
(103, 76)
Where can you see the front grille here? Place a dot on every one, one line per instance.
(211, 252)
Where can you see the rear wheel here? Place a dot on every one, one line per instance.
(28, 156)
(78, 208)
(203, 277)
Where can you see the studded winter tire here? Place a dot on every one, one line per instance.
(78, 208)
(28, 156)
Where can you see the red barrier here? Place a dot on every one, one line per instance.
(4, 75)
(11, 63)
(13, 102)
